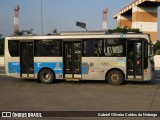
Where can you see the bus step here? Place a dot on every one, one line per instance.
(72, 79)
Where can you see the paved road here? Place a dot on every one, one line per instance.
(29, 95)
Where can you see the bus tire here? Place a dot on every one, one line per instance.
(115, 77)
(46, 76)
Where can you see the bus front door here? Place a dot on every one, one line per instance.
(26, 59)
(72, 60)
(135, 60)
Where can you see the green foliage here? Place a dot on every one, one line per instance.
(157, 44)
(123, 30)
(29, 31)
(18, 33)
(158, 52)
(157, 48)
(54, 31)
(23, 32)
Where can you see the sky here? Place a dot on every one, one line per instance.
(58, 14)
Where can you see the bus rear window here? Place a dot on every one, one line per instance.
(13, 46)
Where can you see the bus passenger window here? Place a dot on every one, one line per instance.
(13, 46)
(114, 47)
(93, 47)
(48, 48)
(99, 48)
(88, 48)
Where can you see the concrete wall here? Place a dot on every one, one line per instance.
(145, 18)
(142, 14)
(124, 21)
(157, 61)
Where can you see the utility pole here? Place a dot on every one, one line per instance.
(41, 18)
(16, 21)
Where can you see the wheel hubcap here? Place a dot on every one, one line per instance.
(115, 77)
(47, 77)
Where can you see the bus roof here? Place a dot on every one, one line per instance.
(81, 35)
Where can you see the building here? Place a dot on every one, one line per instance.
(142, 14)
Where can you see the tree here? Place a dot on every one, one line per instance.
(157, 48)
(18, 33)
(123, 30)
(55, 31)
(23, 32)
(29, 31)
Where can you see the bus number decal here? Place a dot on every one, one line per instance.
(57, 67)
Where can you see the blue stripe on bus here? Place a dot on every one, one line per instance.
(57, 67)
(14, 67)
(83, 69)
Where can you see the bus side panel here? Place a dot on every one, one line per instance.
(53, 63)
(12, 64)
(95, 68)
(149, 73)
(13, 68)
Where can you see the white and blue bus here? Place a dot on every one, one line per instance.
(80, 56)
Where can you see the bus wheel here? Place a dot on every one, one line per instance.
(46, 76)
(115, 77)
